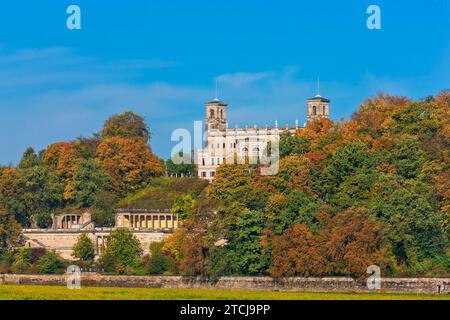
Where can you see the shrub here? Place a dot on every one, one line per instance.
(49, 263)
(122, 253)
(23, 261)
(158, 263)
(84, 248)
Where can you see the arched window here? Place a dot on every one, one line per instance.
(256, 152)
(211, 113)
(314, 111)
(221, 114)
(323, 109)
(245, 156)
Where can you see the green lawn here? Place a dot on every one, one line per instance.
(24, 292)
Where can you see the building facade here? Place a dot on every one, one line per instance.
(254, 145)
(147, 225)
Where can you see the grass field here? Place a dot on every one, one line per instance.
(23, 292)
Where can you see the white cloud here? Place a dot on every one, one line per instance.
(240, 79)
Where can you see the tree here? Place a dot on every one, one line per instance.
(195, 244)
(29, 159)
(291, 144)
(88, 180)
(350, 242)
(299, 209)
(49, 263)
(231, 182)
(347, 160)
(128, 126)
(10, 232)
(346, 245)
(104, 208)
(83, 249)
(122, 253)
(183, 169)
(128, 163)
(31, 194)
(182, 206)
(62, 157)
(294, 254)
(158, 262)
(407, 157)
(414, 228)
(23, 261)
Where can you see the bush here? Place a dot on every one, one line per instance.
(158, 263)
(23, 261)
(84, 248)
(122, 253)
(49, 263)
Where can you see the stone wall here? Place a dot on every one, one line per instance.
(329, 284)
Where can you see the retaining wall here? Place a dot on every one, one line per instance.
(328, 284)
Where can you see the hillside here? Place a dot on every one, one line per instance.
(162, 192)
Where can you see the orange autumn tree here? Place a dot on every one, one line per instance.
(63, 158)
(347, 243)
(129, 163)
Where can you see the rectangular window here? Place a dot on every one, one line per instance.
(212, 174)
(203, 174)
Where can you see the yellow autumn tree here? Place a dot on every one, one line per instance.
(129, 163)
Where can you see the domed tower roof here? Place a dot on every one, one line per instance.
(319, 98)
(217, 102)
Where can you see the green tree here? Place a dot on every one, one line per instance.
(231, 183)
(183, 205)
(414, 227)
(23, 261)
(346, 161)
(126, 125)
(240, 252)
(29, 159)
(407, 157)
(300, 209)
(49, 263)
(31, 194)
(291, 144)
(10, 232)
(104, 209)
(183, 169)
(158, 262)
(122, 253)
(87, 182)
(83, 249)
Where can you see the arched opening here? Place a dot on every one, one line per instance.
(255, 156)
(211, 113)
(314, 110)
(323, 109)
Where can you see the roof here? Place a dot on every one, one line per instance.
(319, 98)
(217, 102)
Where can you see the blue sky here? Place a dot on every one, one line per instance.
(161, 58)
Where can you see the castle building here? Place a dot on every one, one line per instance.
(244, 145)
